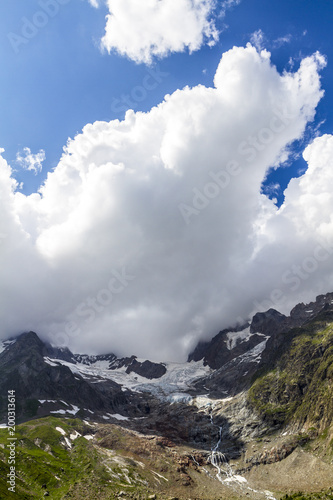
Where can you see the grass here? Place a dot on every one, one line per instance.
(43, 463)
(299, 388)
(328, 495)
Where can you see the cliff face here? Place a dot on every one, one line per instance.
(298, 388)
(271, 324)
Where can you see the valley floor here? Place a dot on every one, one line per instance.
(75, 459)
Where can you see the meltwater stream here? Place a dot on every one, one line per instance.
(225, 473)
(217, 458)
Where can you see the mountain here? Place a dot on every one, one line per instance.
(247, 407)
(24, 368)
(238, 354)
(233, 342)
(298, 388)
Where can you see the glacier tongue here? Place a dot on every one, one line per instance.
(173, 386)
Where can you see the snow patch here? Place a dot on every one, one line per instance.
(6, 343)
(49, 362)
(63, 412)
(254, 354)
(233, 337)
(75, 435)
(68, 443)
(88, 437)
(74, 411)
(59, 429)
(118, 416)
(159, 475)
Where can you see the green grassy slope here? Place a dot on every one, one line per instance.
(299, 388)
(45, 463)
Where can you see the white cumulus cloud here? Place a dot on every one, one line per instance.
(155, 28)
(152, 232)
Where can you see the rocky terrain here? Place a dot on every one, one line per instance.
(248, 416)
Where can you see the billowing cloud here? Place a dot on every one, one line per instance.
(152, 232)
(30, 161)
(155, 28)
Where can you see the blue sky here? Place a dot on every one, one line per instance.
(60, 80)
(210, 200)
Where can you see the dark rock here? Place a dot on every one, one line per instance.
(218, 351)
(208, 350)
(275, 454)
(85, 359)
(147, 369)
(269, 322)
(58, 353)
(23, 369)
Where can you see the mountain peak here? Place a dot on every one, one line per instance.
(268, 322)
(30, 338)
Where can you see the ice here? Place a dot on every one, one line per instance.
(101, 365)
(202, 402)
(178, 378)
(179, 397)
